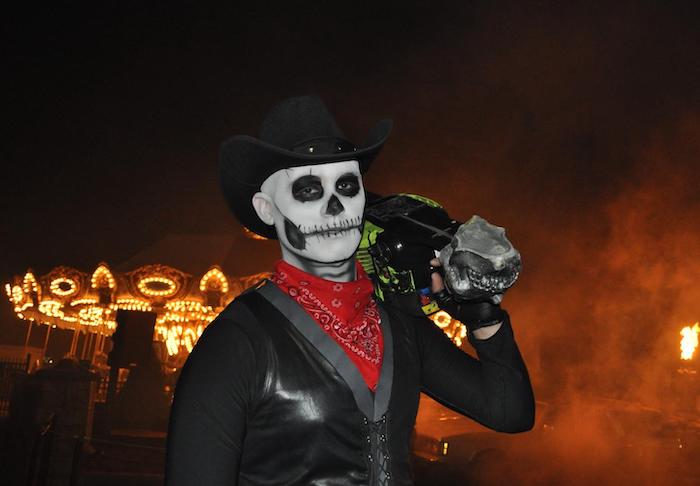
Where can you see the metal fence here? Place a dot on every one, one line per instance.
(103, 461)
(9, 367)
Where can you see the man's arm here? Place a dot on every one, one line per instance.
(494, 390)
(208, 415)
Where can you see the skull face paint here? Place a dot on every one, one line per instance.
(318, 210)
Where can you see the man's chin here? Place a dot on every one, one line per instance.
(328, 259)
(328, 254)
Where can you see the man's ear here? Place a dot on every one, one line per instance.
(264, 207)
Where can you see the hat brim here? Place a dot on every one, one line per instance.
(245, 162)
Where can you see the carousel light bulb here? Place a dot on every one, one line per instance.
(170, 286)
(17, 294)
(217, 276)
(57, 289)
(100, 275)
(77, 302)
(29, 283)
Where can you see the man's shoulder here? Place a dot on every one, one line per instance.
(240, 308)
(240, 316)
(230, 348)
(235, 314)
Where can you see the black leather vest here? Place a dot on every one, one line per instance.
(314, 421)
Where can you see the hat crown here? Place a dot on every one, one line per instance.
(297, 120)
(297, 132)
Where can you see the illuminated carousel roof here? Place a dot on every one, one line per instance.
(184, 303)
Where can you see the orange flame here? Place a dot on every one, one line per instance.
(690, 341)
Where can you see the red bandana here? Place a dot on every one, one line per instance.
(345, 310)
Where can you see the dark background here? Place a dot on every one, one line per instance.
(574, 125)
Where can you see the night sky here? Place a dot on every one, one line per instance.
(575, 126)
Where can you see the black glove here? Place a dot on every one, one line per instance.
(473, 314)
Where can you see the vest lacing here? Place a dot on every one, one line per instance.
(377, 451)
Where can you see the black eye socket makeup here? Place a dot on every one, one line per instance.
(307, 188)
(348, 185)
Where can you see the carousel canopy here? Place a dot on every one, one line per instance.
(185, 288)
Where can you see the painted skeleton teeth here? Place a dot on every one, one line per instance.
(328, 231)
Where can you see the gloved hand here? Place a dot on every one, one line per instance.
(474, 314)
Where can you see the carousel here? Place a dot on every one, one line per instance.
(87, 303)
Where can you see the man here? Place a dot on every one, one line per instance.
(306, 379)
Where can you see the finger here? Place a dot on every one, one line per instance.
(436, 284)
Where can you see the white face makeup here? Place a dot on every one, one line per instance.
(316, 209)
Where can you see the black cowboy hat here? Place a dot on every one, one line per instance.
(298, 131)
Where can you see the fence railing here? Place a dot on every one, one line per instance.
(107, 457)
(9, 367)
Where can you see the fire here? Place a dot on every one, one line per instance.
(689, 341)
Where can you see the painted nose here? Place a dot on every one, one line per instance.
(335, 207)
